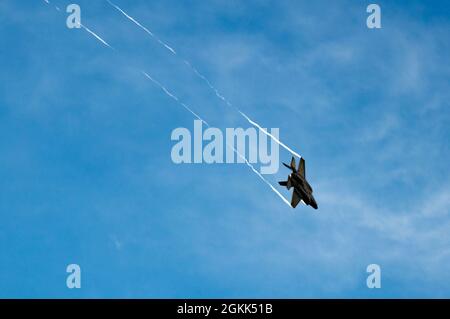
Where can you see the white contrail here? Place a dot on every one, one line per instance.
(96, 36)
(48, 2)
(260, 176)
(142, 27)
(86, 29)
(204, 78)
(176, 99)
(171, 95)
(268, 134)
(220, 96)
(170, 49)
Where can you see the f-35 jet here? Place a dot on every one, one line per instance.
(297, 179)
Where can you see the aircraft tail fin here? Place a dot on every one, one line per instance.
(293, 166)
(301, 167)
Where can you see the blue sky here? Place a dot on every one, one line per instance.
(86, 175)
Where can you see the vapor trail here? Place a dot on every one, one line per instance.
(48, 2)
(96, 36)
(260, 176)
(204, 78)
(268, 134)
(142, 27)
(240, 112)
(175, 98)
(172, 96)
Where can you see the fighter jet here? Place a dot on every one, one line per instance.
(302, 189)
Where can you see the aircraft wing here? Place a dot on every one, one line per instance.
(295, 199)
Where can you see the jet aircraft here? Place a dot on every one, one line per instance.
(297, 179)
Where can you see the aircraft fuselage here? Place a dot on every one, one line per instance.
(303, 189)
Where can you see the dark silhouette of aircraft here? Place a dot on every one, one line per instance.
(297, 179)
